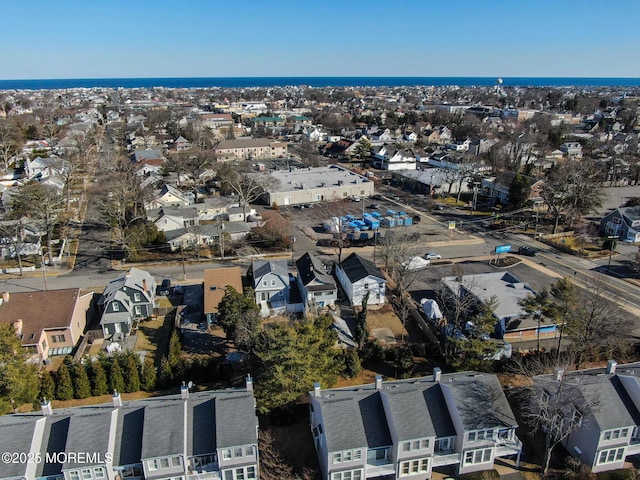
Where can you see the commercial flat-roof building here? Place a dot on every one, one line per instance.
(308, 185)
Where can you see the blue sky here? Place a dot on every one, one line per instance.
(214, 38)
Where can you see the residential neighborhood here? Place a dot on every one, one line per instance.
(341, 283)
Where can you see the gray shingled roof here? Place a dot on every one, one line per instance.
(410, 414)
(479, 400)
(128, 446)
(169, 420)
(16, 437)
(233, 428)
(54, 440)
(88, 433)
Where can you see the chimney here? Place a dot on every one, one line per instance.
(378, 382)
(316, 390)
(45, 405)
(116, 399)
(144, 285)
(249, 383)
(5, 296)
(558, 374)
(437, 374)
(611, 367)
(17, 326)
(184, 392)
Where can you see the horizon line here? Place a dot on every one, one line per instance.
(319, 76)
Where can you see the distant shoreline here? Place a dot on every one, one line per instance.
(253, 82)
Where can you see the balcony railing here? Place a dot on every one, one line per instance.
(634, 446)
(378, 468)
(508, 447)
(448, 458)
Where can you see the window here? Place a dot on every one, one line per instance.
(610, 456)
(347, 475)
(153, 465)
(136, 297)
(443, 445)
(74, 475)
(86, 474)
(348, 456)
(412, 467)
(576, 418)
(477, 456)
(226, 454)
(357, 454)
(116, 306)
(424, 443)
(164, 463)
(366, 286)
(472, 436)
(237, 452)
(248, 451)
(273, 283)
(406, 447)
(617, 433)
(337, 457)
(58, 338)
(242, 473)
(175, 461)
(264, 283)
(99, 472)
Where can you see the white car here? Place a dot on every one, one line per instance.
(432, 256)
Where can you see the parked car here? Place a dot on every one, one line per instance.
(165, 287)
(432, 256)
(527, 251)
(374, 206)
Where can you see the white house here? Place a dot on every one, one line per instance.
(317, 287)
(360, 277)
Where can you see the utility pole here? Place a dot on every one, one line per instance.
(184, 271)
(44, 271)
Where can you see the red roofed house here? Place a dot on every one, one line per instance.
(48, 323)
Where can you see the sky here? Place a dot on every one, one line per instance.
(43, 39)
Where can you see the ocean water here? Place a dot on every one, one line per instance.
(247, 82)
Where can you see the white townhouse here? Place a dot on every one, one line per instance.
(406, 428)
(210, 435)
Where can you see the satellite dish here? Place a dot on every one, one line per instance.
(190, 384)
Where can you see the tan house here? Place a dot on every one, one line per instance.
(251, 148)
(216, 281)
(48, 323)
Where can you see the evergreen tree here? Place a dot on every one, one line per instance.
(81, 386)
(352, 366)
(148, 375)
(175, 349)
(165, 377)
(116, 377)
(47, 386)
(131, 373)
(98, 378)
(64, 385)
(19, 383)
(292, 359)
(240, 319)
(519, 192)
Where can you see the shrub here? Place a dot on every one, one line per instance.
(484, 475)
(622, 474)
